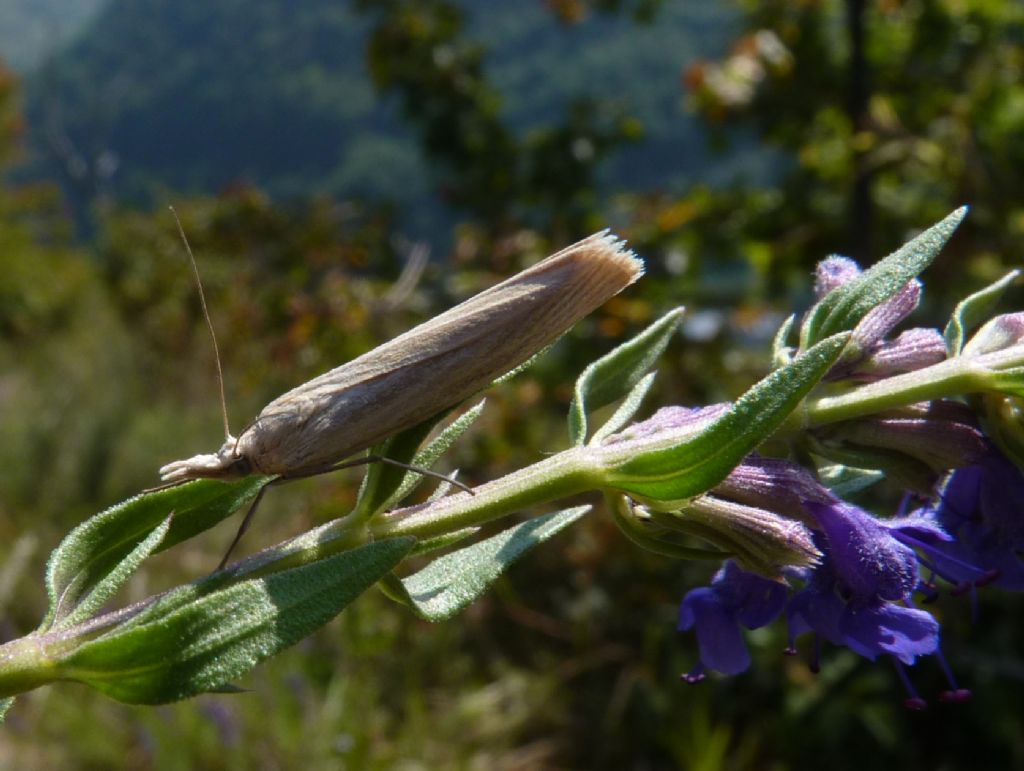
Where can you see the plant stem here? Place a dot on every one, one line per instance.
(567, 473)
(953, 377)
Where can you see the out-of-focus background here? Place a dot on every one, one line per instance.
(346, 168)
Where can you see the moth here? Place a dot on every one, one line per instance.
(316, 426)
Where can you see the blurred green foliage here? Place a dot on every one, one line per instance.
(106, 370)
(936, 122)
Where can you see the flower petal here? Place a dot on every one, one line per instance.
(719, 637)
(754, 600)
(868, 561)
(902, 632)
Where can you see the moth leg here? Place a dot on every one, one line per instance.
(246, 521)
(408, 467)
(377, 459)
(251, 511)
(167, 485)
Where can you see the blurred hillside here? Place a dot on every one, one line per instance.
(155, 94)
(31, 30)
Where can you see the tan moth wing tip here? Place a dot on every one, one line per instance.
(612, 250)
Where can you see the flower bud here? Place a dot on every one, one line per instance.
(868, 355)
(672, 418)
(770, 483)
(941, 435)
(760, 541)
(997, 334)
(883, 318)
(911, 350)
(833, 272)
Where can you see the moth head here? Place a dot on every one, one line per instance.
(226, 463)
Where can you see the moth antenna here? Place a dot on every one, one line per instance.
(209, 324)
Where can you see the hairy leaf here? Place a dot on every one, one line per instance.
(842, 308)
(92, 550)
(452, 582)
(204, 645)
(614, 375)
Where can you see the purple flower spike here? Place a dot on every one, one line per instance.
(734, 598)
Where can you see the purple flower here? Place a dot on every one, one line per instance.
(860, 596)
(734, 598)
(982, 507)
(851, 597)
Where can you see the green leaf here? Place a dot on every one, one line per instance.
(842, 308)
(666, 476)
(116, 578)
(452, 582)
(615, 374)
(96, 547)
(5, 706)
(972, 310)
(782, 354)
(204, 645)
(626, 410)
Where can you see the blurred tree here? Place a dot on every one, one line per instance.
(421, 51)
(889, 114)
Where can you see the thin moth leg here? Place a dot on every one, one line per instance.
(251, 511)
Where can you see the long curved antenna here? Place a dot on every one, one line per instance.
(209, 325)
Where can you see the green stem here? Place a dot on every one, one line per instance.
(25, 664)
(953, 377)
(567, 473)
